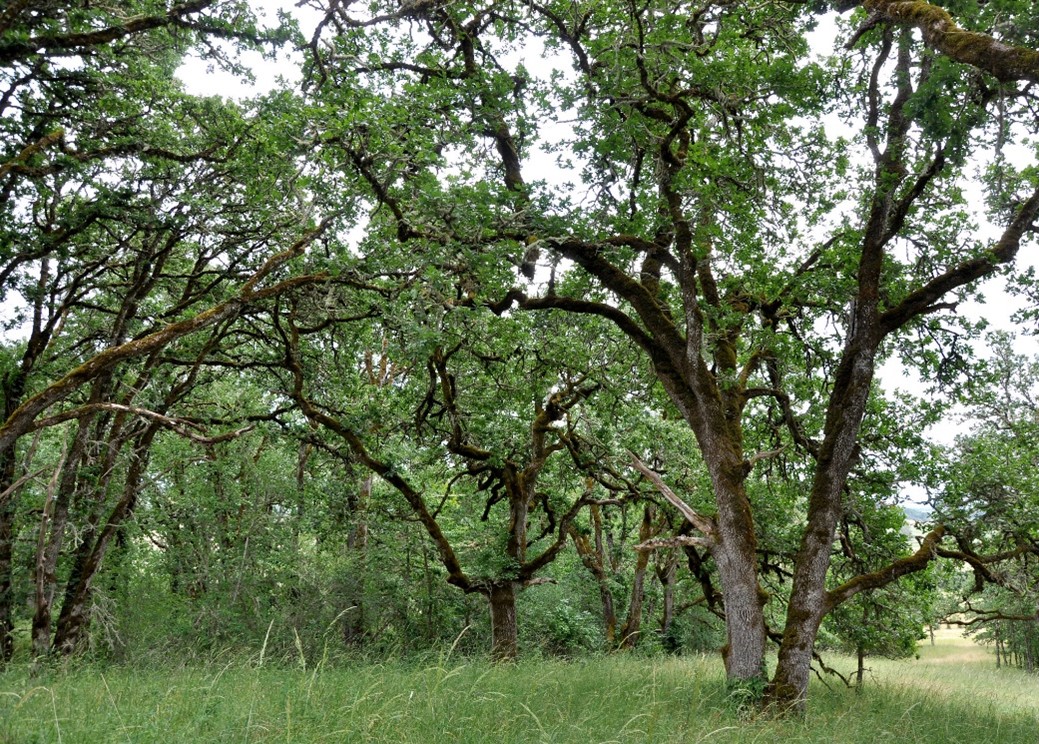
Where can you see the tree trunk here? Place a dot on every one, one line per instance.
(807, 606)
(595, 560)
(44, 573)
(633, 624)
(74, 620)
(742, 597)
(809, 601)
(666, 574)
(860, 672)
(52, 535)
(504, 632)
(13, 387)
(357, 544)
(6, 566)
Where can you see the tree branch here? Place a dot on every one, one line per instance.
(1004, 251)
(1004, 61)
(704, 524)
(911, 564)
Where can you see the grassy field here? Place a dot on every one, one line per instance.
(952, 694)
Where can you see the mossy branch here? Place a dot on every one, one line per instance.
(918, 561)
(1004, 61)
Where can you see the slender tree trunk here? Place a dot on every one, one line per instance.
(1029, 650)
(595, 560)
(6, 563)
(667, 574)
(357, 544)
(44, 571)
(52, 536)
(504, 631)
(13, 388)
(74, 620)
(860, 672)
(633, 624)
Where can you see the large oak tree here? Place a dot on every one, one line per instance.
(679, 156)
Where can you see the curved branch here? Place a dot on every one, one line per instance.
(1004, 251)
(14, 50)
(918, 561)
(21, 420)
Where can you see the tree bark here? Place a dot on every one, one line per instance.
(595, 560)
(357, 544)
(52, 535)
(742, 597)
(632, 629)
(666, 574)
(504, 630)
(74, 619)
(7, 470)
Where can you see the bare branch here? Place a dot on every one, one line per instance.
(177, 425)
(11, 489)
(704, 524)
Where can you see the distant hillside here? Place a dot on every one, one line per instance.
(917, 513)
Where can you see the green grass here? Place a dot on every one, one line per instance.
(618, 699)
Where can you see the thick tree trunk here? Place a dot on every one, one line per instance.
(744, 651)
(504, 631)
(742, 597)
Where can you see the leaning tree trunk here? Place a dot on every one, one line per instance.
(74, 620)
(595, 560)
(809, 601)
(504, 631)
(51, 536)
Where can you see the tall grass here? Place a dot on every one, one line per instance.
(614, 699)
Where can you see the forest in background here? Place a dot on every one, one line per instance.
(439, 348)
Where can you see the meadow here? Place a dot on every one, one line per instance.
(952, 693)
